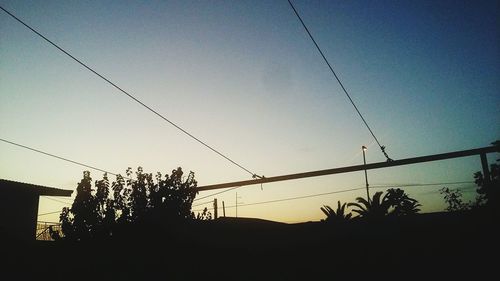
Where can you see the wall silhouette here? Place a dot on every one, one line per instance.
(19, 207)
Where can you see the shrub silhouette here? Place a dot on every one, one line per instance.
(336, 216)
(98, 213)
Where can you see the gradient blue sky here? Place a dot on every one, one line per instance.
(244, 77)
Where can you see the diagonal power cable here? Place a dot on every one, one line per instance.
(382, 148)
(129, 95)
(60, 158)
(216, 193)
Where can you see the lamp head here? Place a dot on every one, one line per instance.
(364, 148)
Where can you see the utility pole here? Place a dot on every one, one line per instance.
(223, 209)
(343, 170)
(215, 208)
(366, 175)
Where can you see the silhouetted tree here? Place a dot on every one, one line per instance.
(119, 203)
(179, 194)
(489, 188)
(96, 213)
(205, 215)
(400, 204)
(394, 203)
(377, 207)
(453, 197)
(138, 195)
(80, 222)
(338, 216)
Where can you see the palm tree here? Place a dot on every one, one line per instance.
(377, 207)
(408, 207)
(336, 216)
(395, 203)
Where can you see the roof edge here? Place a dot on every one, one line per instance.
(38, 189)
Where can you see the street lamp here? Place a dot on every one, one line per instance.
(366, 175)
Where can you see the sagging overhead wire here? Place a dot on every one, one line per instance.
(99, 169)
(129, 95)
(213, 194)
(62, 158)
(59, 201)
(382, 148)
(44, 214)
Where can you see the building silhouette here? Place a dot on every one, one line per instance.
(19, 207)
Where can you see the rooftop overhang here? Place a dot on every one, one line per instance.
(33, 188)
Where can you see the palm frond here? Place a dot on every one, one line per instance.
(376, 197)
(327, 210)
(338, 215)
(357, 205)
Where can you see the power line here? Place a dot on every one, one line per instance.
(60, 197)
(95, 168)
(44, 214)
(60, 158)
(371, 186)
(47, 222)
(55, 200)
(301, 197)
(98, 169)
(128, 94)
(213, 194)
(382, 148)
(339, 191)
(419, 184)
(292, 198)
(204, 203)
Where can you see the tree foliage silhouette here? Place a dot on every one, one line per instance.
(489, 188)
(338, 216)
(394, 203)
(96, 213)
(400, 204)
(453, 198)
(377, 207)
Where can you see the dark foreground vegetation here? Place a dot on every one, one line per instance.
(429, 245)
(146, 231)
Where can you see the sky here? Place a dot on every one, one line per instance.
(244, 77)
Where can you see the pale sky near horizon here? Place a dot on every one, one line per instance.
(244, 77)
